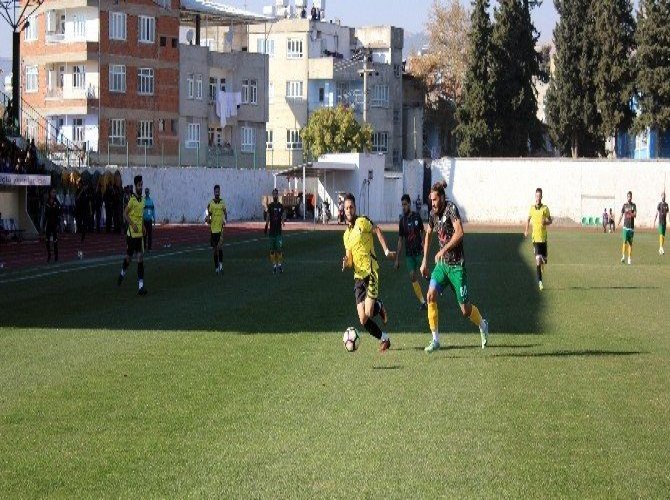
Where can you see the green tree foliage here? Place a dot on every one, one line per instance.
(614, 78)
(335, 130)
(515, 63)
(572, 111)
(653, 64)
(475, 115)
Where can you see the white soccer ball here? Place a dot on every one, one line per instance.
(80, 254)
(351, 339)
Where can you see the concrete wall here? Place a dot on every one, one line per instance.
(183, 193)
(500, 191)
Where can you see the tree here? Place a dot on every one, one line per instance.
(653, 65)
(571, 102)
(474, 130)
(335, 130)
(442, 67)
(614, 78)
(515, 64)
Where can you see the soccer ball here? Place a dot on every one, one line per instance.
(351, 339)
(80, 254)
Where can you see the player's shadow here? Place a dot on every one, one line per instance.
(312, 295)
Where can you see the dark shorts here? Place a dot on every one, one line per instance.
(367, 287)
(134, 245)
(51, 234)
(661, 229)
(276, 243)
(214, 239)
(541, 250)
(628, 235)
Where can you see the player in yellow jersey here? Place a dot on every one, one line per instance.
(134, 217)
(360, 254)
(216, 218)
(539, 218)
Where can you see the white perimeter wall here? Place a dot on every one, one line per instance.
(183, 193)
(500, 191)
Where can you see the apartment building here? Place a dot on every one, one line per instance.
(318, 63)
(121, 80)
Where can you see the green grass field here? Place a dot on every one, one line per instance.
(239, 386)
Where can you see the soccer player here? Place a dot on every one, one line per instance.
(133, 215)
(360, 254)
(628, 214)
(661, 213)
(411, 231)
(540, 218)
(275, 219)
(449, 270)
(52, 215)
(216, 218)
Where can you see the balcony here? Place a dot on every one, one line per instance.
(58, 93)
(55, 37)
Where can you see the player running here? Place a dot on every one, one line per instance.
(539, 217)
(216, 218)
(134, 218)
(628, 214)
(275, 220)
(661, 214)
(360, 254)
(449, 271)
(411, 231)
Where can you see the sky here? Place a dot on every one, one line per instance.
(410, 15)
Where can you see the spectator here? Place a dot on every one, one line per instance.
(605, 220)
(149, 219)
(611, 221)
(314, 13)
(108, 199)
(97, 207)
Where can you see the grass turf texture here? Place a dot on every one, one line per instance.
(239, 386)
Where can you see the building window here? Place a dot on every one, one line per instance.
(198, 87)
(396, 116)
(294, 90)
(215, 136)
(117, 78)
(264, 46)
(249, 92)
(30, 33)
(380, 142)
(397, 70)
(175, 43)
(78, 130)
(117, 132)
(31, 79)
(380, 96)
(190, 86)
(147, 29)
(396, 157)
(293, 139)
(248, 139)
(79, 22)
(268, 139)
(213, 84)
(145, 81)
(117, 26)
(78, 77)
(163, 41)
(193, 136)
(294, 48)
(145, 133)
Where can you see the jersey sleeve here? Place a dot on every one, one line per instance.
(365, 225)
(547, 214)
(209, 208)
(454, 214)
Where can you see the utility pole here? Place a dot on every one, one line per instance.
(365, 72)
(8, 12)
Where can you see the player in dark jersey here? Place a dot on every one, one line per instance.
(52, 216)
(411, 231)
(275, 220)
(449, 270)
(662, 214)
(628, 214)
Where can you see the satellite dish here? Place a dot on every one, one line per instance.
(189, 36)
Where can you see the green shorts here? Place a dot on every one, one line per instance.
(413, 262)
(628, 235)
(661, 230)
(276, 243)
(453, 276)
